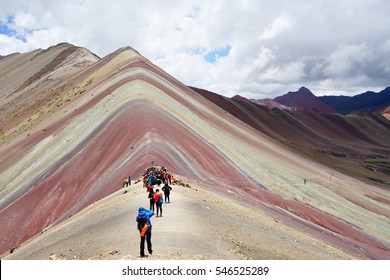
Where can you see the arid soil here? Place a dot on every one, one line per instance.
(72, 126)
(197, 224)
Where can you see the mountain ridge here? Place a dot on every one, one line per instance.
(304, 99)
(368, 101)
(115, 115)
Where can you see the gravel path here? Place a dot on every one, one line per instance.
(197, 224)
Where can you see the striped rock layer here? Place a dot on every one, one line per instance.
(81, 124)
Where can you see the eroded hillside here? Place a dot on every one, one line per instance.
(115, 115)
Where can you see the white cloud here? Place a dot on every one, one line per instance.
(277, 46)
(279, 25)
(45, 38)
(287, 73)
(344, 60)
(24, 21)
(10, 45)
(385, 46)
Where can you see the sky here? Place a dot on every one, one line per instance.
(254, 48)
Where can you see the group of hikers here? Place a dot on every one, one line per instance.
(153, 177)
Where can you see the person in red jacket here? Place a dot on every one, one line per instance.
(158, 199)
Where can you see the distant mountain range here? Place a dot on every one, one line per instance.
(7, 56)
(270, 103)
(366, 102)
(73, 126)
(305, 100)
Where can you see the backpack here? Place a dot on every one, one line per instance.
(160, 199)
(142, 224)
(167, 189)
(156, 197)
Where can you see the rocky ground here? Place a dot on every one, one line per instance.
(197, 224)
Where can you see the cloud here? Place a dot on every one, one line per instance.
(254, 47)
(279, 25)
(11, 45)
(345, 59)
(290, 73)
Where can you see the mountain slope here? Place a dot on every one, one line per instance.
(304, 99)
(356, 144)
(365, 102)
(33, 84)
(386, 112)
(270, 103)
(187, 219)
(120, 113)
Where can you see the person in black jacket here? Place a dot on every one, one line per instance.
(167, 191)
(151, 199)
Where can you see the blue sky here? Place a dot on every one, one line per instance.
(213, 55)
(5, 27)
(255, 48)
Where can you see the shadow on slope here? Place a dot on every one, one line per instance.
(356, 144)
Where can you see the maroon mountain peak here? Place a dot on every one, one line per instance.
(304, 99)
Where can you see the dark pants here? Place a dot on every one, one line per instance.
(166, 195)
(152, 204)
(148, 237)
(159, 207)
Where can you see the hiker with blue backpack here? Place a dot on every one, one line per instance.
(145, 229)
(152, 180)
(158, 199)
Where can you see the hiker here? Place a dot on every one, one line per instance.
(125, 183)
(144, 181)
(149, 188)
(129, 181)
(145, 229)
(165, 177)
(167, 191)
(158, 199)
(152, 180)
(151, 199)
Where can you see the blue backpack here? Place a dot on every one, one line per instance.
(160, 199)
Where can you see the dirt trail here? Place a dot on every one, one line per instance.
(197, 224)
